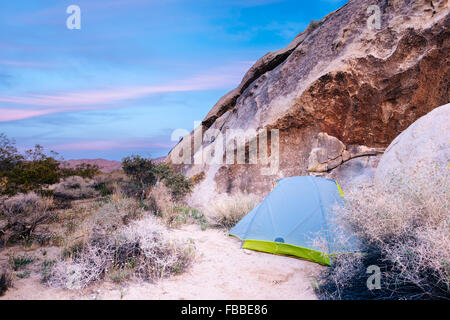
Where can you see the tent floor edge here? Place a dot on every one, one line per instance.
(288, 250)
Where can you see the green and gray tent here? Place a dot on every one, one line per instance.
(292, 217)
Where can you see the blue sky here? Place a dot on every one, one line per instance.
(137, 69)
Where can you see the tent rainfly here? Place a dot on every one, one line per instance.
(292, 217)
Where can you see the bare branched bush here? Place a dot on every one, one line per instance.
(23, 213)
(227, 210)
(141, 249)
(160, 256)
(74, 188)
(406, 225)
(87, 266)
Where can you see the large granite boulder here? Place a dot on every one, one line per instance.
(425, 142)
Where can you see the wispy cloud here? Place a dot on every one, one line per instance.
(97, 99)
(19, 114)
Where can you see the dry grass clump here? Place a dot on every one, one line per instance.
(405, 228)
(227, 210)
(161, 202)
(75, 188)
(107, 183)
(313, 25)
(141, 250)
(23, 213)
(6, 281)
(120, 210)
(100, 220)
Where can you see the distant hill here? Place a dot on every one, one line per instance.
(104, 165)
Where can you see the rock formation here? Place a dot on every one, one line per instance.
(425, 142)
(338, 95)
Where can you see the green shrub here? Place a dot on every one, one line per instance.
(34, 170)
(179, 185)
(82, 170)
(31, 171)
(17, 263)
(23, 275)
(145, 174)
(140, 170)
(9, 155)
(46, 269)
(31, 175)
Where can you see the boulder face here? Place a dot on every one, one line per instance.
(337, 96)
(425, 142)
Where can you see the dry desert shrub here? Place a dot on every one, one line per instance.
(107, 183)
(22, 214)
(227, 210)
(141, 249)
(106, 219)
(160, 255)
(120, 210)
(404, 225)
(75, 188)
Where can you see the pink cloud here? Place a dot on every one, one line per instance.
(67, 99)
(19, 114)
(99, 99)
(11, 114)
(101, 96)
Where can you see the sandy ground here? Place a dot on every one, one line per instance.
(221, 270)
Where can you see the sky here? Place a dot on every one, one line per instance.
(135, 71)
